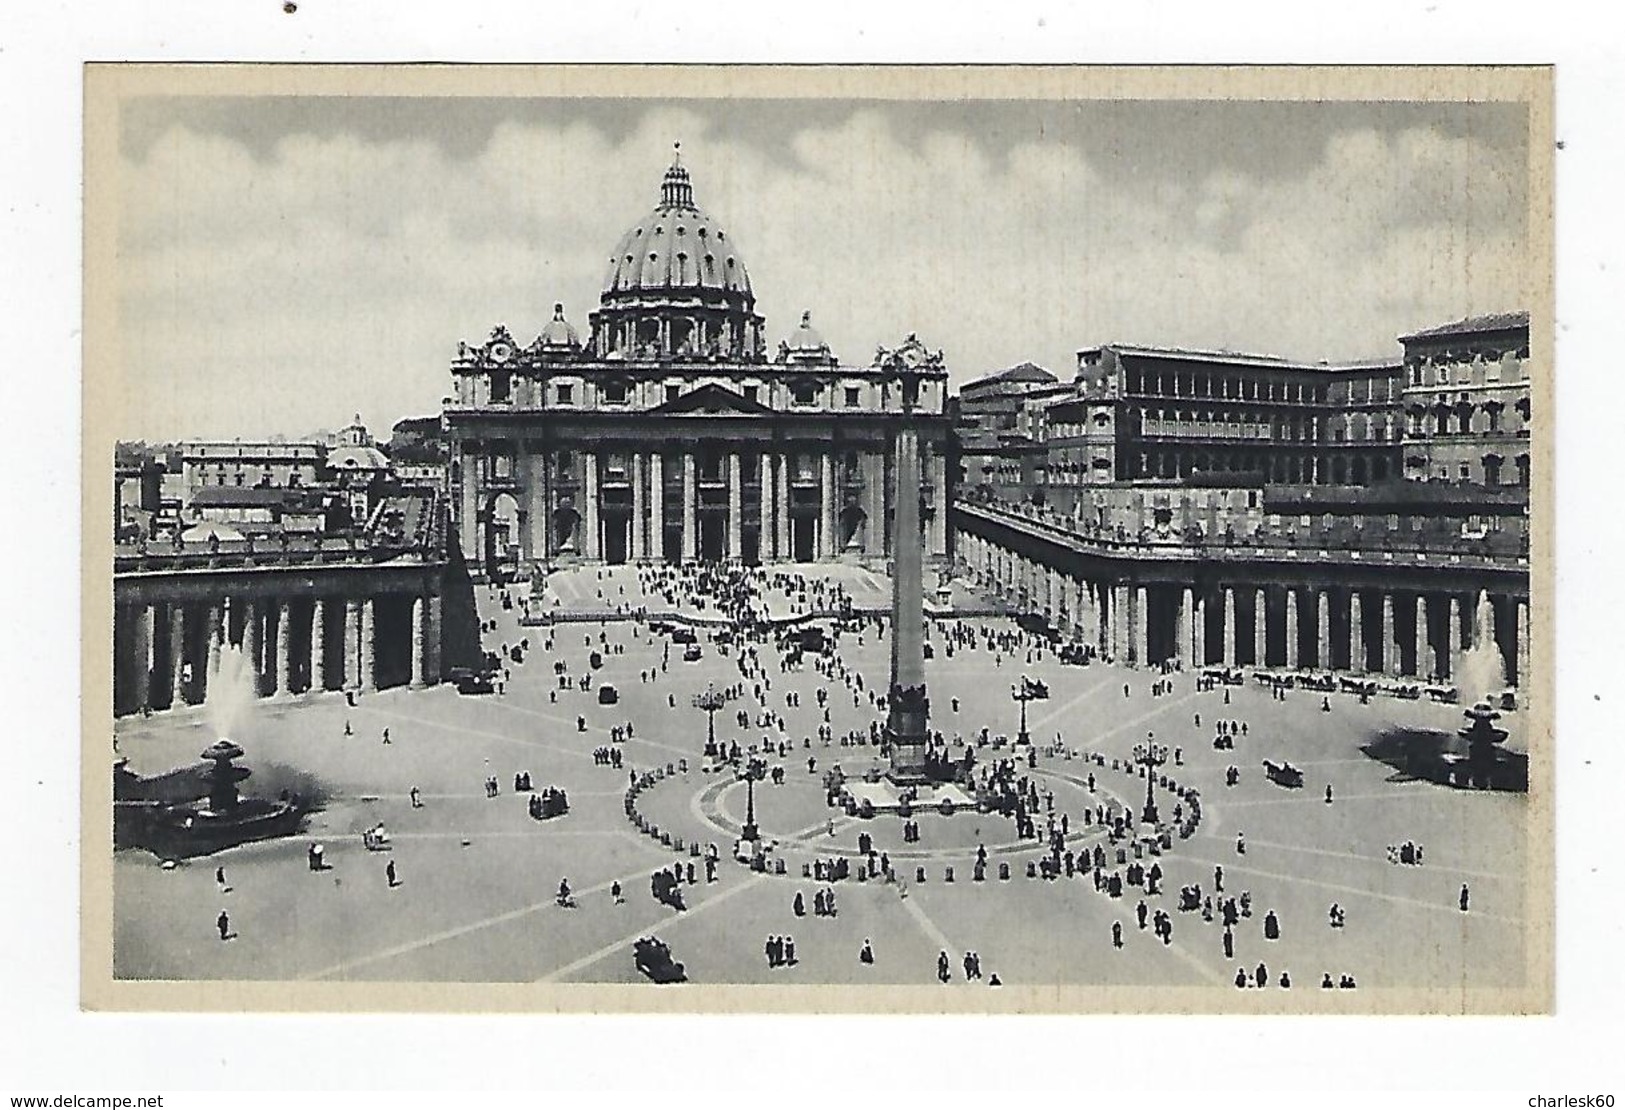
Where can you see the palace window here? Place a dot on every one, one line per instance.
(804, 393)
(851, 396)
(752, 393)
(673, 392)
(501, 387)
(615, 393)
(564, 394)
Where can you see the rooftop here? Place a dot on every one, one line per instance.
(1473, 325)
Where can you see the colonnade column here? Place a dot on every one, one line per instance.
(1523, 671)
(689, 524)
(417, 641)
(1261, 614)
(1424, 651)
(1231, 632)
(1119, 618)
(251, 642)
(1323, 630)
(1292, 629)
(368, 636)
(216, 632)
(143, 656)
(351, 679)
(1142, 626)
(735, 509)
(657, 509)
(939, 503)
(640, 494)
(592, 546)
(1390, 653)
(1453, 636)
(318, 657)
(177, 651)
(284, 648)
(431, 647)
(826, 505)
(1356, 635)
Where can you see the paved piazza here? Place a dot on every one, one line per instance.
(477, 876)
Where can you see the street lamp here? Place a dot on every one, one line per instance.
(753, 771)
(1022, 692)
(710, 701)
(1150, 756)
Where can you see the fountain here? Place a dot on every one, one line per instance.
(194, 811)
(1478, 671)
(1487, 764)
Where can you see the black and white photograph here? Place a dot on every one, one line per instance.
(903, 539)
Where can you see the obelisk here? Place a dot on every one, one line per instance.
(908, 708)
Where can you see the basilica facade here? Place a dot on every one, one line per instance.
(668, 431)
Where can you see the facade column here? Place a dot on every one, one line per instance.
(939, 502)
(284, 648)
(418, 660)
(524, 476)
(468, 526)
(764, 484)
(592, 543)
(874, 495)
(735, 508)
(318, 656)
(251, 642)
(1231, 632)
(690, 491)
(1424, 651)
(541, 522)
(1453, 635)
(1261, 624)
(1357, 657)
(1523, 672)
(657, 508)
(640, 494)
(177, 651)
(1198, 630)
(369, 636)
(1323, 630)
(351, 678)
(826, 505)
(782, 523)
(1184, 615)
(1292, 629)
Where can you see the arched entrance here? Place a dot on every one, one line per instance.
(500, 550)
(565, 524)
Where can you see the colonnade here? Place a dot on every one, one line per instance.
(169, 653)
(1425, 634)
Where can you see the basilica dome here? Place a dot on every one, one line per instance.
(676, 289)
(675, 247)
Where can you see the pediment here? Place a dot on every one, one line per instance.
(713, 400)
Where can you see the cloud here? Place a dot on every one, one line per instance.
(283, 291)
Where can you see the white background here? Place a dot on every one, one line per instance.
(47, 1046)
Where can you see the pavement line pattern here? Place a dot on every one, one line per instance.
(1356, 857)
(591, 729)
(1062, 710)
(929, 927)
(620, 944)
(460, 931)
(1447, 907)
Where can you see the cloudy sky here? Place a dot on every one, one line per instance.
(286, 262)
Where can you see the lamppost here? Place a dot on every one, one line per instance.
(1150, 756)
(753, 771)
(710, 701)
(1022, 692)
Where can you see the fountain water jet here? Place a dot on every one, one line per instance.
(1478, 671)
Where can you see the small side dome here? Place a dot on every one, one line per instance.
(559, 332)
(806, 346)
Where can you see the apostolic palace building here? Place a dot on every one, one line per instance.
(672, 430)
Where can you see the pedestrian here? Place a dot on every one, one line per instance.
(1328, 793)
(615, 893)
(1229, 944)
(799, 905)
(943, 974)
(866, 954)
(417, 800)
(1463, 899)
(347, 730)
(220, 879)
(389, 873)
(1117, 934)
(790, 951)
(1241, 844)
(386, 735)
(223, 923)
